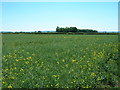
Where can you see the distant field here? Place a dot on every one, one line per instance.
(60, 61)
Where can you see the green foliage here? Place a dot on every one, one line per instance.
(67, 29)
(60, 61)
(86, 30)
(73, 29)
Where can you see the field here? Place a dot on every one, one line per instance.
(59, 61)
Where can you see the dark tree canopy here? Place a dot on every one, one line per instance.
(73, 29)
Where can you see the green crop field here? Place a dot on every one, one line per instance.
(59, 61)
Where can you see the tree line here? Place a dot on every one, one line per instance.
(73, 29)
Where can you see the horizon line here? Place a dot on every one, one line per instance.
(45, 31)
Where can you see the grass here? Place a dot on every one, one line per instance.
(60, 61)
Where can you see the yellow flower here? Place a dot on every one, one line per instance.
(47, 86)
(17, 60)
(86, 86)
(3, 82)
(12, 77)
(98, 78)
(26, 62)
(89, 69)
(63, 60)
(74, 81)
(9, 86)
(57, 85)
(27, 52)
(83, 80)
(69, 72)
(73, 60)
(6, 69)
(21, 69)
(67, 87)
(14, 67)
(76, 62)
(55, 75)
(30, 57)
(72, 70)
(57, 62)
(37, 85)
(84, 56)
(93, 74)
(66, 65)
(33, 54)
(22, 50)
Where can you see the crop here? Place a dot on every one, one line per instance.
(59, 61)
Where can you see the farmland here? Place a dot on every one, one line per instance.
(59, 61)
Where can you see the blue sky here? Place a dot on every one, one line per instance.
(60, 0)
(41, 16)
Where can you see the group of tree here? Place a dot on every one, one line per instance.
(73, 29)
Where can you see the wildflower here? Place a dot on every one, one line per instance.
(21, 57)
(89, 69)
(27, 52)
(57, 85)
(66, 65)
(22, 50)
(43, 77)
(55, 75)
(73, 60)
(12, 77)
(67, 87)
(57, 62)
(17, 60)
(83, 80)
(3, 82)
(69, 72)
(51, 85)
(37, 85)
(84, 56)
(33, 54)
(30, 57)
(93, 74)
(21, 69)
(86, 86)
(10, 72)
(63, 60)
(9, 86)
(76, 62)
(6, 69)
(98, 78)
(73, 81)
(72, 70)
(47, 86)
(26, 62)
(36, 62)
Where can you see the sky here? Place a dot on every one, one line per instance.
(45, 16)
(60, 0)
